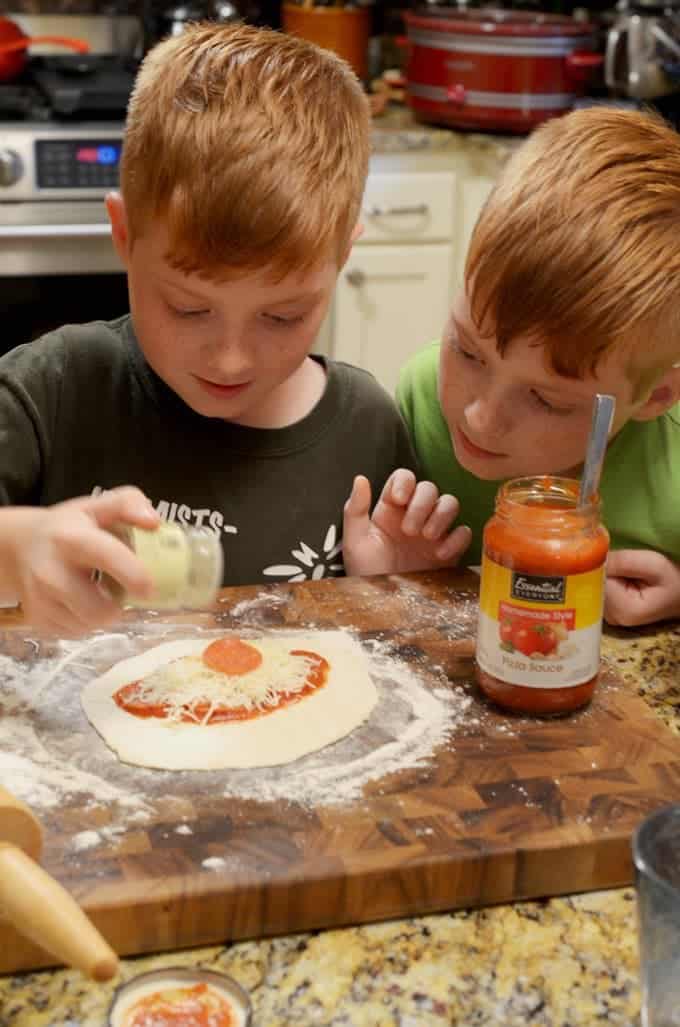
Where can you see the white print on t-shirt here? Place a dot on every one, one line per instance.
(309, 558)
(180, 513)
(312, 563)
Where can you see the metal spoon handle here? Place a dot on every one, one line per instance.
(603, 415)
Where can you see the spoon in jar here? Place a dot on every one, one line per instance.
(603, 415)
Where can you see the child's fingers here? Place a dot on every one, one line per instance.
(455, 545)
(356, 523)
(98, 549)
(442, 517)
(358, 505)
(637, 564)
(54, 623)
(90, 602)
(70, 605)
(399, 487)
(65, 623)
(420, 507)
(61, 620)
(127, 504)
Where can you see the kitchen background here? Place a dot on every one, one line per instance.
(454, 88)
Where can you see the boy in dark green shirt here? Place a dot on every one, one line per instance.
(244, 163)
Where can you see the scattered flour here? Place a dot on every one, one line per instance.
(86, 840)
(183, 829)
(50, 755)
(413, 720)
(89, 839)
(250, 609)
(214, 863)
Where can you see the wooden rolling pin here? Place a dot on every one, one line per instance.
(37, 905)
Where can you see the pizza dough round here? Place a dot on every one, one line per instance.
(296, 729)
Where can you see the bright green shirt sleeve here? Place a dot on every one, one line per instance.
(640, 484)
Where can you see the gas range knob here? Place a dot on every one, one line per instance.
(11, 167)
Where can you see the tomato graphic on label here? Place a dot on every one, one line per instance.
(526, 639)
(506, 629)
(529, 637)
(547, 639)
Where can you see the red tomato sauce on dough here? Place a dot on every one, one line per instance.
(193, 1006)
(128, 699)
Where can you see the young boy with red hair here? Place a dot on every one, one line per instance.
(572, 287)
(244, 162)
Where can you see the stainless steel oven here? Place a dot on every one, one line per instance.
(57, 262)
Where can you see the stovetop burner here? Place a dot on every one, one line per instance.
(22, 102)
(70, 86)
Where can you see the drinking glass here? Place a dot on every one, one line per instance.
(656, 854)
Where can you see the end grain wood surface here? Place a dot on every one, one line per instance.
(510, 808)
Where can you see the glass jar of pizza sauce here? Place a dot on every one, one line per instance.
(541, 597)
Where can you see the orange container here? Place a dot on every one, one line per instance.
(345, 30)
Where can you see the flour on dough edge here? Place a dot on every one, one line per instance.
(334, 711)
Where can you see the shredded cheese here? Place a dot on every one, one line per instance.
(186, 683)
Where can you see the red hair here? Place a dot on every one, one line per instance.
(252, 146)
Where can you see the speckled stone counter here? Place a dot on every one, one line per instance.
(397, 131)
(569, 961)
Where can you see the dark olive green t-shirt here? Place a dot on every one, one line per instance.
(81, 410)
(640, 485)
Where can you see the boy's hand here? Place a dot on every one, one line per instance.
(408, 530)
(642, 586)
(53, 551)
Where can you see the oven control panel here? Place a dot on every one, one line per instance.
(77, 163)
(59, 162)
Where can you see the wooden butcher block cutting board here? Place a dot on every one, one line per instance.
(438, 801)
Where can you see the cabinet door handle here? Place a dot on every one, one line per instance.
(374, 211)
(356, 277)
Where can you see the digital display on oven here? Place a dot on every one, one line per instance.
(102, 155)
(77, 163)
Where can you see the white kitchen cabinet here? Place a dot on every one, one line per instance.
(389, 302)
(472, 193)
(394, 292)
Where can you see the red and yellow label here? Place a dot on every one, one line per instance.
(540, 631)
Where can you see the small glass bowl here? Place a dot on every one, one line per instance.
(155, 980)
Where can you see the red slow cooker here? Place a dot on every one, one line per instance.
(494, 69)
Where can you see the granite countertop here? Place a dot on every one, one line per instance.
(563, 961)
(398, 131)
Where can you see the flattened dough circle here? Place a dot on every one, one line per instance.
(295, 730)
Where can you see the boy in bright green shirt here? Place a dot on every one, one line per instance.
(572, 287)
(645, 453)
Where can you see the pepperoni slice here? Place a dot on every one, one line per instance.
(232, 656)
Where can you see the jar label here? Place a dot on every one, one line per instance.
(540, 631)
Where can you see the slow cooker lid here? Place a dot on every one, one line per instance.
(495, 21)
